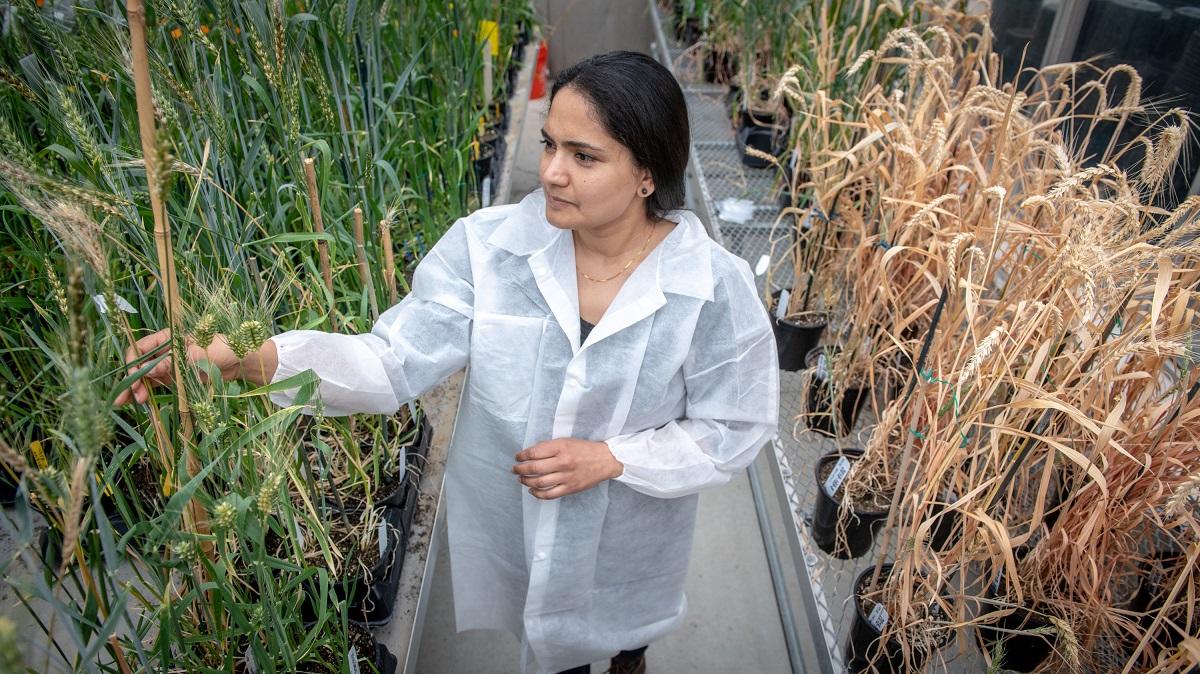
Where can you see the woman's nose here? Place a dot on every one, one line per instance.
(553, 172)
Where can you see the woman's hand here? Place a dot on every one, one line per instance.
(257, 367)
(555, 468)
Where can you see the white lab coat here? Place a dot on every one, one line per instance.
(679, 378)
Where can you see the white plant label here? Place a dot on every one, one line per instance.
(840, 470)
(383, 537)
(878, 618)
(486, 189)
(352, 660)
(761, 267)
(822, 366)
(781, 308)
(251, 665)
(996, 583)
(122, 304)
(300, 535)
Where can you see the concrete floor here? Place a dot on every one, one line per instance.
(733, 622)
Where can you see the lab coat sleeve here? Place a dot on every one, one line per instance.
(413, 346)
(731, 379)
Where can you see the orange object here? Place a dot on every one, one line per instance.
(540, 72)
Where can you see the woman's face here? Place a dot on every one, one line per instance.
(590, 180)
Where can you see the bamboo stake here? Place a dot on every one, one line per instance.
(364, 272)
(195, 517)
(314, 206)
(162, 232)
(389, 261)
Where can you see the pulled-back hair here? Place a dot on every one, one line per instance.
(639, 103)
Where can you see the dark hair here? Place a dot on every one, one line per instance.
(640, 104)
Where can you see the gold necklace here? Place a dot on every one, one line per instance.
(627, 264)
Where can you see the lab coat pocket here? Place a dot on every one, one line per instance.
(505, 355)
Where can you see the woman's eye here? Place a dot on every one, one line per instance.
(585, 158)
(546, 144)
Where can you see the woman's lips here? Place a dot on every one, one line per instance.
(558, 203)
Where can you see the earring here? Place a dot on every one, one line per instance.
(645, 191)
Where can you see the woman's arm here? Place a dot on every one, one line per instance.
(257, 367)
(413, 346)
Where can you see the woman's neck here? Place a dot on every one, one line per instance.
(614, 241)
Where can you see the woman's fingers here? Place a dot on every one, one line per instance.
(136, 359)
(542, 483)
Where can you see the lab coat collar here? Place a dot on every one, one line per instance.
(684, 262)
(681, 264)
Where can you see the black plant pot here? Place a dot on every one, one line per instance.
(859, 531)
(415, 459)
(371, 597)
(720, 66)
(510, 76)
(1022, 652)
(8, 489)
(794, 339)
(385, 662)
(866, 650)
(764, 139)
(946, 530)
(381, 659)
(688, 31)
(484, 163)
(820, 401)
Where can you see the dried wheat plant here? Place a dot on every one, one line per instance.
(1041, 307)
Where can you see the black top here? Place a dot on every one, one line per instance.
(585, 329)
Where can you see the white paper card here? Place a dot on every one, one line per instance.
(840, 470)
(763, 263)
(781, 308)
(878, 618)
(352, 660)
(122, 304)
(251, 665)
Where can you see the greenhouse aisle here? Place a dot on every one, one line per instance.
(733, 620)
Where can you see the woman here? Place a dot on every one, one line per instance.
(620, 362)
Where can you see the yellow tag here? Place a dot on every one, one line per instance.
(107, 485)
(38, 455)
(490, 31)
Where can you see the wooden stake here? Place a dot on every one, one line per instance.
(364, 272)
(314, 205)
(389, 262)
(195, 517)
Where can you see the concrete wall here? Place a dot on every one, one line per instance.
(576, 29)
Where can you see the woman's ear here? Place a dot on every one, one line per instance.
(646, 186)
